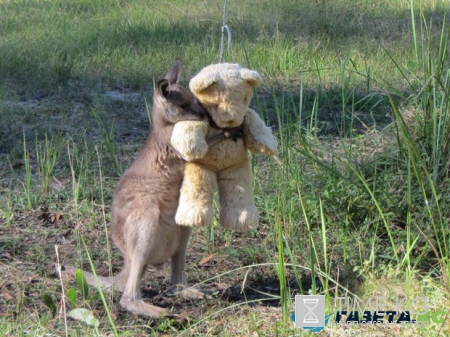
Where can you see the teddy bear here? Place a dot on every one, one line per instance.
(225, 90)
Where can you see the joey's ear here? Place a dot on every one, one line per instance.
(174, 74)
(163, 87)
(251, 77)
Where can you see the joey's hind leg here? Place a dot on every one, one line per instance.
(178, 282)
(139, 248)
(178, 260)
(196, 196)
(131, 298)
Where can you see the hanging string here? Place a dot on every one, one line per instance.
(226, 29)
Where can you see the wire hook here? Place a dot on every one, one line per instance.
(226, 29)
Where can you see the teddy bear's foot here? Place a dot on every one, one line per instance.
(194, 215)
(239, 219)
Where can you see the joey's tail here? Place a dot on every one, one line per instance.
(108, 283)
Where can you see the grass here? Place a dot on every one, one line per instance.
(356, 205)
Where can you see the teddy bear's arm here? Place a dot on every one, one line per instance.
(258, 137)
(188, 138)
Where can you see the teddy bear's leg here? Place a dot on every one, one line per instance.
(237, 209)
(196, 196)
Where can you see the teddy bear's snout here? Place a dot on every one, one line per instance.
(231, 123)
(223, 123)
(229, 119)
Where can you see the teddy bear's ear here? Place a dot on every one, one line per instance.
(202, 82)
(251, 76)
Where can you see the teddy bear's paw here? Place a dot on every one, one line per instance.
(196, 152)
(194, 215)
(190, 152)
(239, 219)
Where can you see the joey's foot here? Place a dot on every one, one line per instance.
(188, 292)
(141, 308)
(240, 219)
(194, 215)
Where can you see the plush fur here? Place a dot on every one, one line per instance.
(225, 90)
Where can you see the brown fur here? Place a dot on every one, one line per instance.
(146, 199)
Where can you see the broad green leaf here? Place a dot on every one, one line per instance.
(82, 284)
(84, 315)
(72, 296)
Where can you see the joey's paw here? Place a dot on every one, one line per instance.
(192, 215)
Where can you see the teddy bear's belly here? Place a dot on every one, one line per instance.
(225, 154)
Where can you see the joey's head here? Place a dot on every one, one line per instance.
(225, 90)
(172, 102)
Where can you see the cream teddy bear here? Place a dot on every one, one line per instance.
(225, 90)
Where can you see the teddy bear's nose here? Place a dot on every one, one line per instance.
(231, 123)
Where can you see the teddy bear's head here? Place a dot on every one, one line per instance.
(225, 90)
